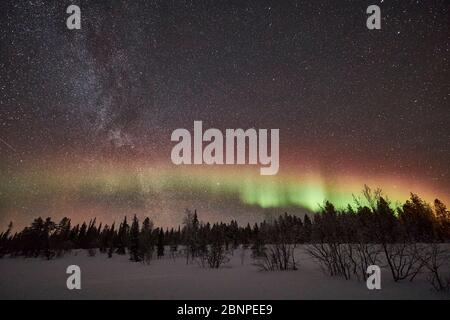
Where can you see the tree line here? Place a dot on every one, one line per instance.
(343, 241)
(377, 222)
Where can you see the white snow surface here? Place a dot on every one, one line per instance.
(171, 278)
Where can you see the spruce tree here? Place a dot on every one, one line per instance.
(111, 240)
(134, 241)
(122, 237)
(146, 241)
(160, 245)
(307, 228)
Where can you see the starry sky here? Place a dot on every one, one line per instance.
(86, 115)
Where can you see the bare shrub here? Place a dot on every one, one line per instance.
(174, 251)
(147, 254)
(437, 260)
(92, 252)
(279, 256)
(332, 258)
(366, 254)
(329, 246)
(214, 256)
(404, 259)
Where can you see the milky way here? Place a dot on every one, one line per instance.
(86, 115)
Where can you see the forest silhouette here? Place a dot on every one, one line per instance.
(406, 239)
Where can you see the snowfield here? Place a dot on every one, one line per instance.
(171, 278)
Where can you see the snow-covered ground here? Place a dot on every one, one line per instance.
(118, 278)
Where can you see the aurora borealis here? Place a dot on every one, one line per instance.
(86, 115)
(109, 192)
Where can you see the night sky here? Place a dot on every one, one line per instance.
(86, 115)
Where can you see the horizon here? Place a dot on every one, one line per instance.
(359, 201)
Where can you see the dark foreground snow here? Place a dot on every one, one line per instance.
(118, 278)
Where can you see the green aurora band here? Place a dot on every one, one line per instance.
(141, 184)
